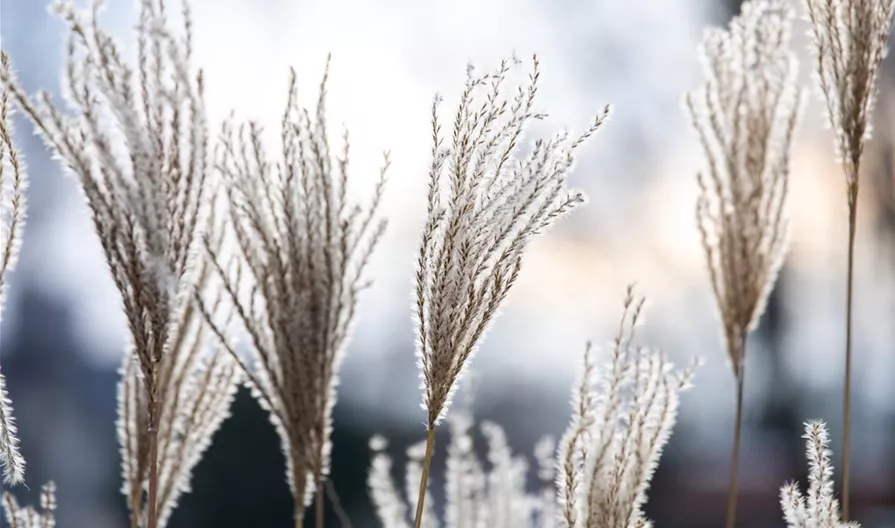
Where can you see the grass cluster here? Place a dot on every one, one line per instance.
(211, 239)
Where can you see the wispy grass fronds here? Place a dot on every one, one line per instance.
(12, 220)
(27, 517)
(197, 386)
(487, 200)
(136, 138)
(850, 44)
(302, 251)
(477, 493)
(819, 509)
(622, 416)
(745, 115)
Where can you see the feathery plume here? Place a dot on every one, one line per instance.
(137, 141)
(744, 116)
(12, 220)
(621, 419)
(819, 509)
(486, 202)
(303, 248)
(197, 388)
(849, 45)
(27, 517)
(485, 205)
(478, 493)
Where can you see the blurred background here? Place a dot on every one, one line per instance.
(63, 332)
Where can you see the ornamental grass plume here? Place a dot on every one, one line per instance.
(486, 202)
(12, 220)
(301, 251)
(477, 493)
(744, 116)
(622, 417)
(849, 44)
(136, 138)
(819, 509)
(26, 516)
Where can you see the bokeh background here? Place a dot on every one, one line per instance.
(63, 332)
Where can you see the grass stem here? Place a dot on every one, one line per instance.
(319, 503)
(152, 499)
(735, 454)
(846, 398)
(424, 481)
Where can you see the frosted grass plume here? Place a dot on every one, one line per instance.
(136, 138)
(12, 223)
(294, 281)
(819, 509)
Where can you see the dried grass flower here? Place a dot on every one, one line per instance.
(12, 220)
(849, 45)
(487, 200)
(622, 417)
(477, 492)
(301, 251)
(819, 509)
(136, 137)
(745, 115)
(28, 517)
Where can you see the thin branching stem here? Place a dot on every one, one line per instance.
(849, 43)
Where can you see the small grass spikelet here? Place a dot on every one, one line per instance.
(819, 509)
(18, 516)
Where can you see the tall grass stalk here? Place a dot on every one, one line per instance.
(486, 202)
(135, 135)
(849, 45)
(744, 116)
